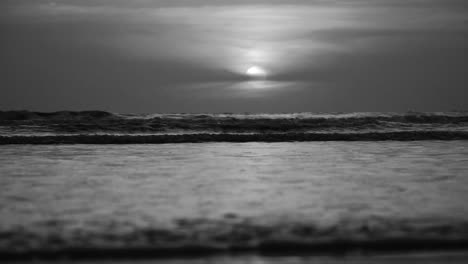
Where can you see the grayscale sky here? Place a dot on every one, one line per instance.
(144, 56)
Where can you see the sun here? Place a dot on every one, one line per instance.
(255, 71)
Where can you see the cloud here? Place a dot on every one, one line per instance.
(367, 50)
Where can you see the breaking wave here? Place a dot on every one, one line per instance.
(91, 126)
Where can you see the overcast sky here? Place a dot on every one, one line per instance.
(192, 55)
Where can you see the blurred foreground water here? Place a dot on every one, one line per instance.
(265, 197)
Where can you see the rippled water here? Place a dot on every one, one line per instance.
(25, 123)
(224, 195)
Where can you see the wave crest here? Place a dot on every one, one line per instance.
(91, 122)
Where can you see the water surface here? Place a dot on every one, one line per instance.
(225, 195)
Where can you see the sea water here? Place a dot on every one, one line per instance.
(224, 196)
(330, 183)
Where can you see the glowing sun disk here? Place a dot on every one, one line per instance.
(255, 71)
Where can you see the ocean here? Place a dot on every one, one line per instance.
(234, 188)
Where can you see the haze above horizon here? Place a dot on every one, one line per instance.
(273, 56)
